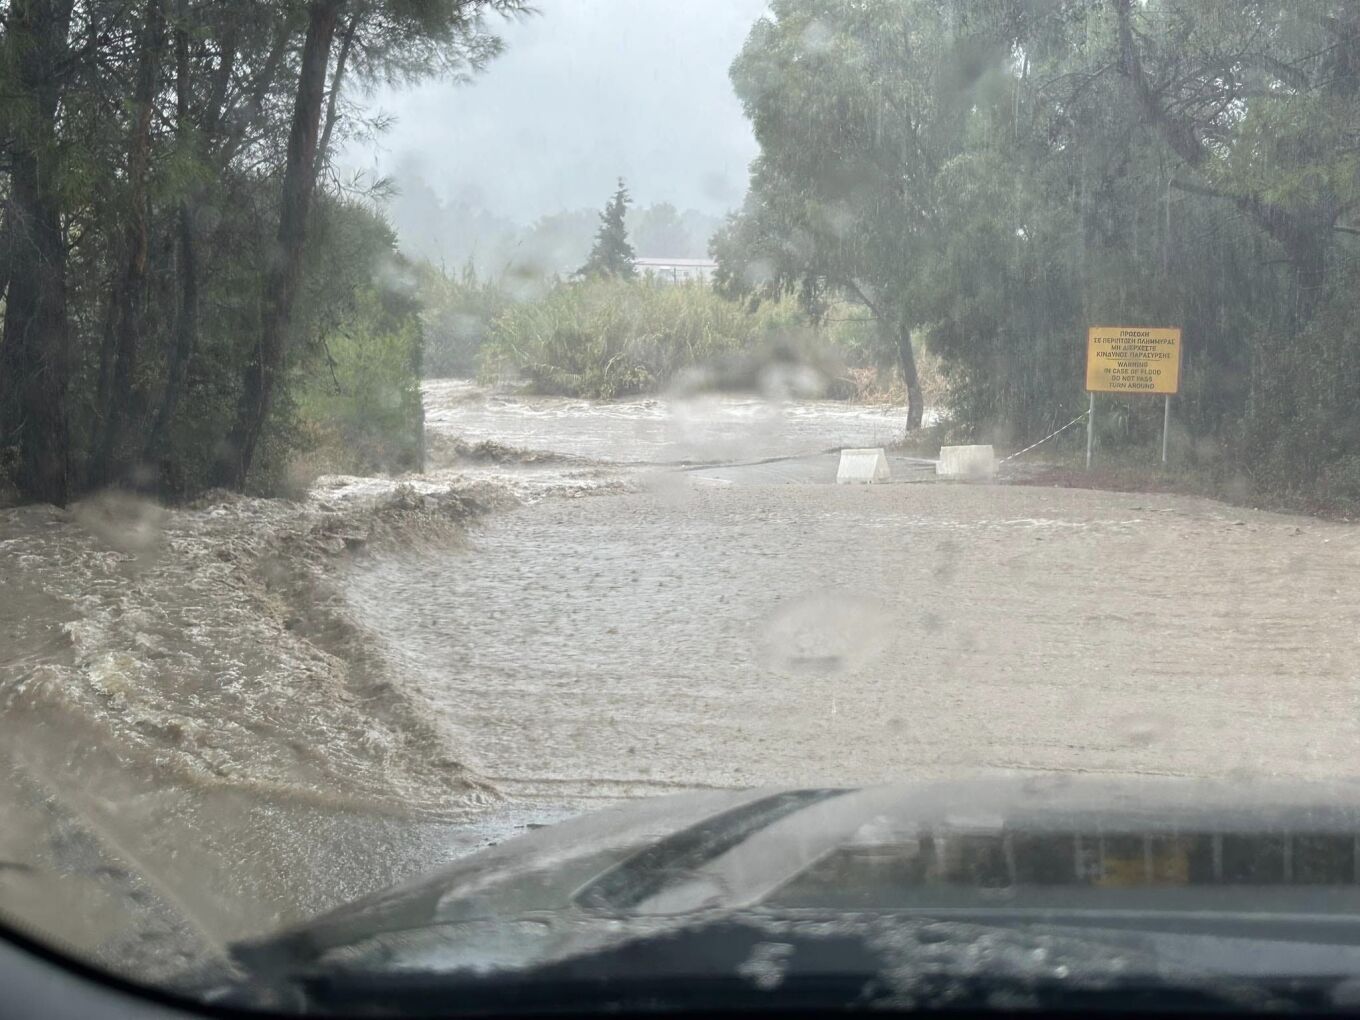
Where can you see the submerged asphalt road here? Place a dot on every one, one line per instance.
(761, 625)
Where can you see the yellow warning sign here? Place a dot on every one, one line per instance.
(1133, 359)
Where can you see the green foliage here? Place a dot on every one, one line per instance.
(611, 338)
(356, 373)
(457, 313)
(351, 399)
(1001, 175)
(612, 255)
(144, 321)
(1301, 434)
(856, 107)
(363, 407)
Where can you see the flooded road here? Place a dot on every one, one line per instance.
(757, 624)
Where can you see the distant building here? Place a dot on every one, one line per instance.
(676, 270)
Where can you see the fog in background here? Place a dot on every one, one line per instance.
(512, 168)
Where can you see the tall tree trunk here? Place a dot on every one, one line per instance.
(906, 360)
(284, 272)
(1306, 242)
(108, 350)
(35, 349)
(220, 80)
(244, 113)
(5, 249)
(895, 332)
(123, 398)
(186, 264)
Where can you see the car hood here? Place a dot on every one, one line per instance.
(1165, 869)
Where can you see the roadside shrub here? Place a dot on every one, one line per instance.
(605, 338)
(1301, 434)
(360, 410)
(457, 315)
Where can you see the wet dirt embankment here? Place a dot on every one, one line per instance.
(210, 643)
(197, 740)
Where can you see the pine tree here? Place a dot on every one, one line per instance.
(611, 254)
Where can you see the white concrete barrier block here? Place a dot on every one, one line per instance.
(966, 462)
(869, 465)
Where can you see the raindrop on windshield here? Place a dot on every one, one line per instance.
(827, 633)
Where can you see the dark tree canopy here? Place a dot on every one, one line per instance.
(995, 175)
(167, 196)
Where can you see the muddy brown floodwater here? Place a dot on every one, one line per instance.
(760, 625)
(218, 719)
(817, 634)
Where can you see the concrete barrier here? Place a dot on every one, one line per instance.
(868, 465)
(977, 462)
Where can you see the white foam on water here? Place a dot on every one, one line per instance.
(658, 430)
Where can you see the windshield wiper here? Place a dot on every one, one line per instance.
(676, 857)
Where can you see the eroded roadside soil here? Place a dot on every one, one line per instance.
(198, 741)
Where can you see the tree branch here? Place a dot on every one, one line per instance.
(1179, 135)
(858, 291)
(244, 114)
(332, 101)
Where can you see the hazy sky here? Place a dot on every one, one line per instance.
(586, 91)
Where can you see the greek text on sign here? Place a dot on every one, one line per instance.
(1133, 359)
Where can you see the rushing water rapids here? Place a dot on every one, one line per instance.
(706, 428)
(570, 592)
(213, 644)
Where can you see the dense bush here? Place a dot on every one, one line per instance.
(349, 400)
(362, 411)
(457, 313)
(609, 338)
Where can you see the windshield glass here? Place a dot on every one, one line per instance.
(428, 423)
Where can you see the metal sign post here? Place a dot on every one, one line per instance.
(1166, 426)
(1090, 427)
